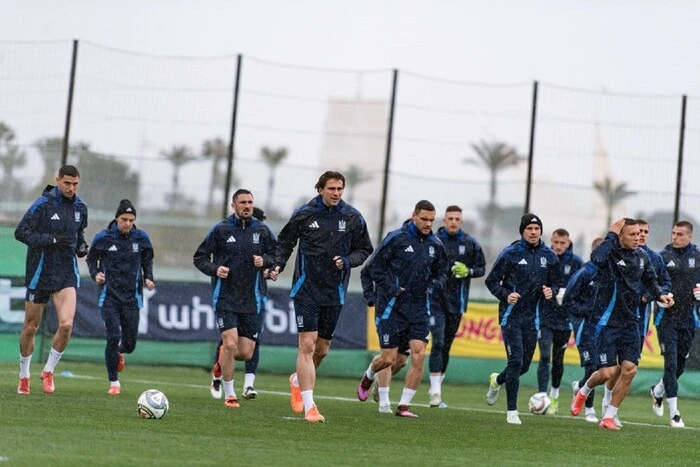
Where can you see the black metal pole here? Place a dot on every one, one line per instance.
(232, 138)
(531, 151)
(679, 171)
(387, 157)
(69, 107)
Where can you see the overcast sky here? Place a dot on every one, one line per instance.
(642, 46)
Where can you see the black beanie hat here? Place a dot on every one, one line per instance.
(125, 206)
(528, 219)
(259, 214)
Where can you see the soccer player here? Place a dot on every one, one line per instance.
(235, 253)
(408, 266)
(466, 261)
(675, 326)
(382, 380)
(523, 276)
(554, 325)
(53, 230)
(333, 239)
(579, 300)
(251, 365)
(120, 261)
(625, 273)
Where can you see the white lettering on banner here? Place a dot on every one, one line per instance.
(180, 318)
(279, 321)
(7, 292)
(174, 318)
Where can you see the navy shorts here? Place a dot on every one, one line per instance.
(399, 329)
(314, 318)
(616, 345)
(404, 346)
(40, 296)
(584, 333)
(248, 324)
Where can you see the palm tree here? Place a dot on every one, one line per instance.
(354, 176)
(10, 158)
(612, 194)
(178, 156)
(494, 157)
(216, 151)
(272, 158)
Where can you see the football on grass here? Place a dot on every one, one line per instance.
(152, 404)
(539, 403)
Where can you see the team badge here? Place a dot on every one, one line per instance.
(77, 217)
(341, 226)
(543, 262)
(431, 251)
(135, 247)
(462, 249)
(256, 238)
(385, 338)
(567, 269)
(691, 262)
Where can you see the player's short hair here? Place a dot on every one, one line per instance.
(329, 175)
(239, 192)
(561, 233)
(641, 222)
(423, 205)
(68, 170)
(596, 242)
(685, 224)
(453, 208)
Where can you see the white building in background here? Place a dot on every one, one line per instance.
(355, 135)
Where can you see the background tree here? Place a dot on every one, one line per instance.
(354, 176)
(495, 157)
(272, 158)
(216, 151)
(50, 151)
(612, 194)
(178, 156)
(11, 157)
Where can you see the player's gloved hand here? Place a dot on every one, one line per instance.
(82, 250)
(662, 304)
(696, 292)
(560, 296)
(460, 270)
(63, 240)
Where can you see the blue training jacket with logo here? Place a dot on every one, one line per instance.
(323, 232)
(408, 260)
(523, 268)
(554, 316)
(125, 260)
(232, 243)
(49, 264)
(683, 266)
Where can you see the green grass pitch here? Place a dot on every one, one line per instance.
(81, 425)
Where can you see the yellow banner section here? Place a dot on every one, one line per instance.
(479, 336)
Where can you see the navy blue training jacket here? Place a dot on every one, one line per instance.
(125, 260)
(523, 268)
(683, 266)
(49, 262)
(408, 260)
(323, 232)
(464, 248)
(554, 316)
(232, 243)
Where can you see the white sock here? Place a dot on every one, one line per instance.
(228, 389)
(554, 393)
(407, 396)
(442, 378)
(610, 412)
(435, 384)
(672, 406)
(24, 366)
(308, 397)
(249, 380)
(585, 390)
(370, 373)
(659, 389)
(590, 410)
(52, 361)
(115, 384)
(511, 412)
(383, 395)
(608, 396)
(295, 380)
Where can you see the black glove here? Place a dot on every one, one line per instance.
(82, 250)
(63, 240)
